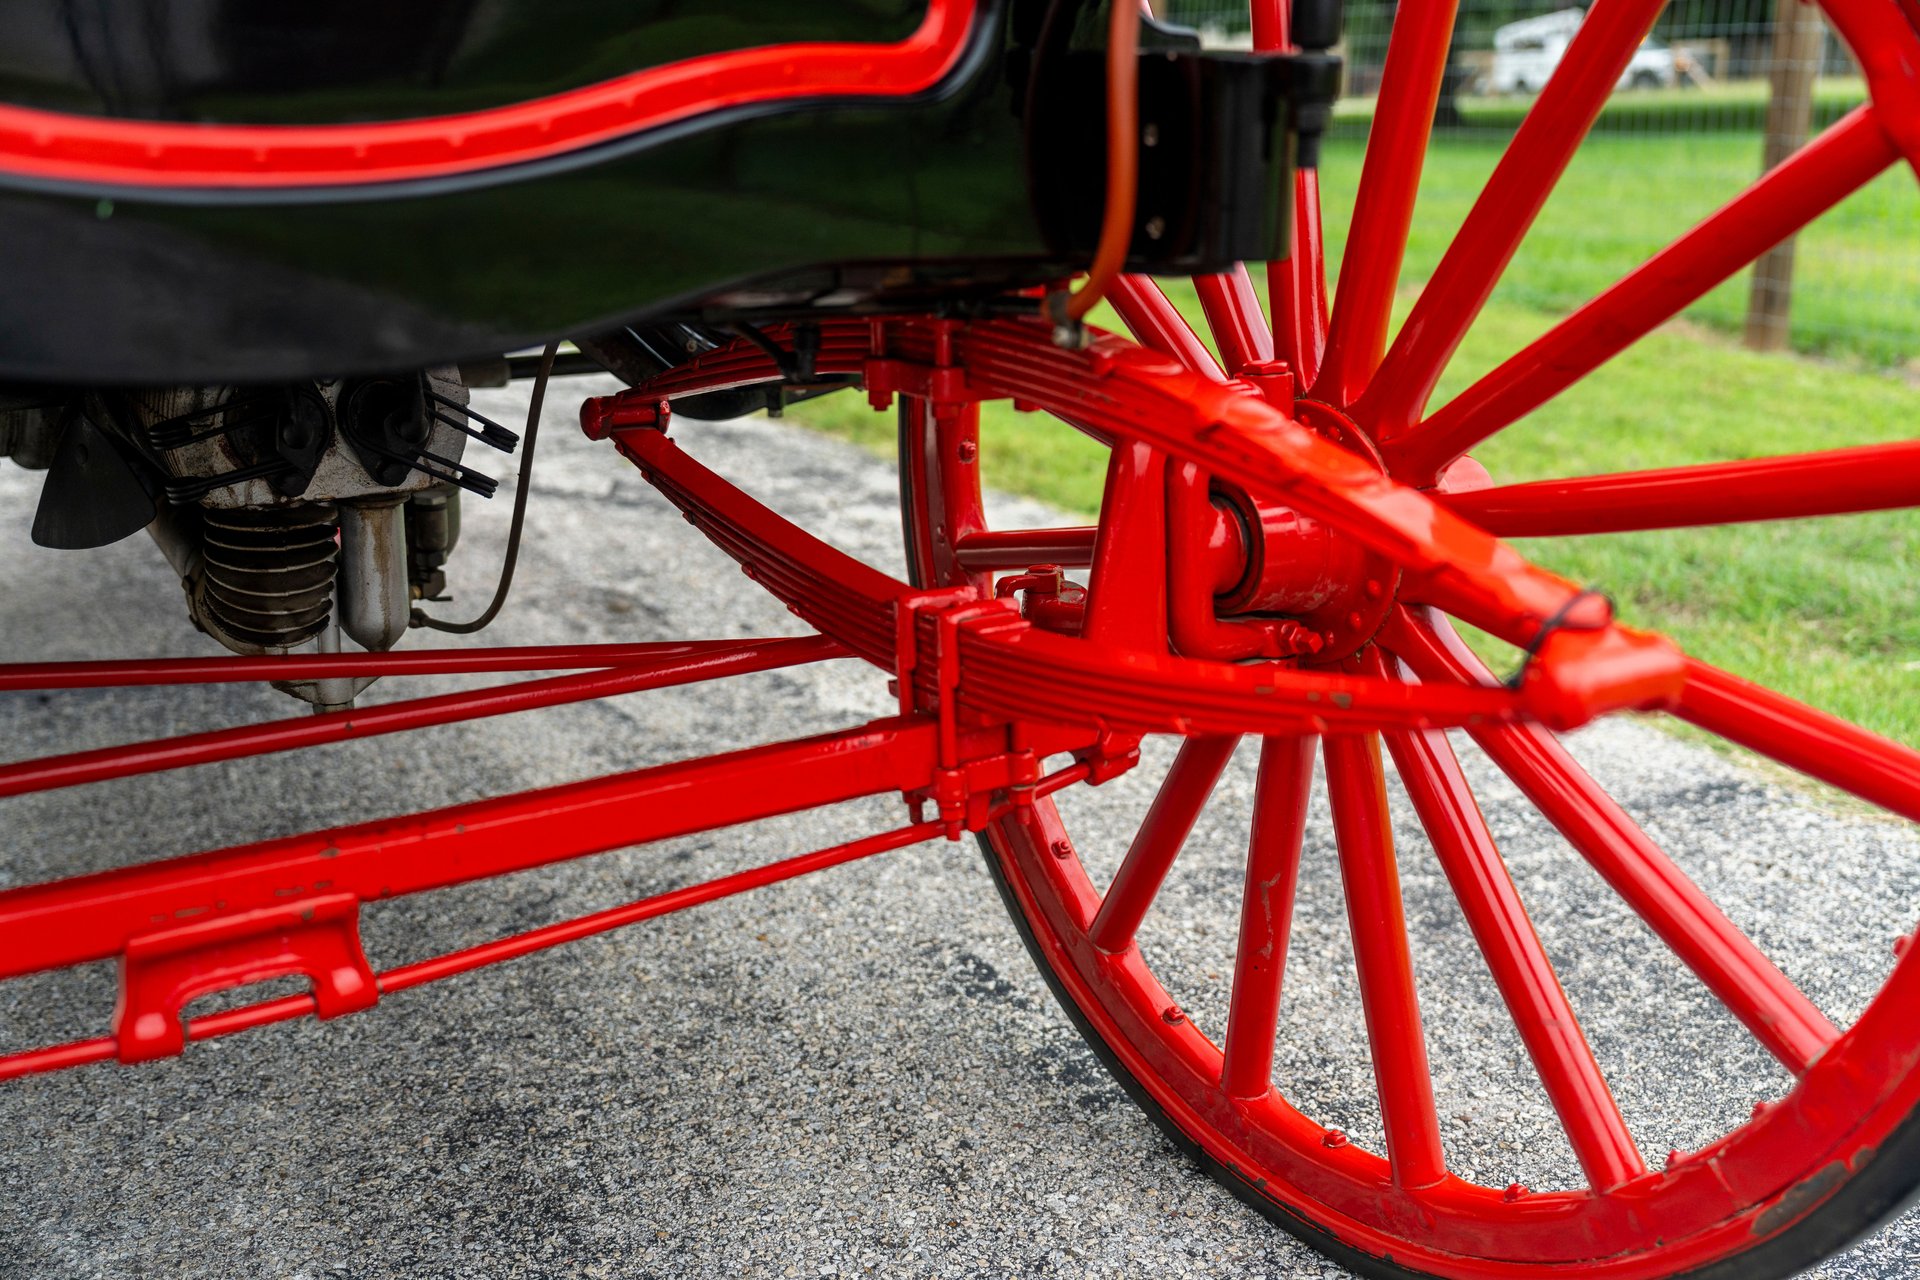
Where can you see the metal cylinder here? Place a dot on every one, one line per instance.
(268, 575)
(179, 544)
(1292, 564)
(371, 593)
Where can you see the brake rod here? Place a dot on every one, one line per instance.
(49, 773)
(227, 1022)
(117, 672)
(93, 917)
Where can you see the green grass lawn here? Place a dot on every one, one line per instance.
(1857, 270)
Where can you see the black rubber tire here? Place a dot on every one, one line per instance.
(1867, 1201)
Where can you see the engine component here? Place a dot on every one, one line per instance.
(420, 617)
(267, 575)
(433, 529)
(287, 511)
(223, 446)
(374, 602)
(97, 491)
(31, 421)
(392, 424)
(278, 434)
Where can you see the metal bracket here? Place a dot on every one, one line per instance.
(162, 972)
(927, 679)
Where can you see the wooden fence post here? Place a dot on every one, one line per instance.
(1799, 43)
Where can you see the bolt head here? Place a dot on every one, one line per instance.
(1173, 1015)
(1062, 849)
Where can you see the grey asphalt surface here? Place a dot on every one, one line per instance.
(855, 1074)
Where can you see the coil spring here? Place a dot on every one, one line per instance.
(269, 572)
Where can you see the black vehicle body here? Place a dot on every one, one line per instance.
(989, 179)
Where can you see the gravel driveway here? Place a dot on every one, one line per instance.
(855, 1074)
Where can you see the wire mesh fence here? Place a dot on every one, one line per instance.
(1685, 130)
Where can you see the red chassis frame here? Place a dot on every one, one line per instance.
(990, 687)
(985, 697)
(998, 682)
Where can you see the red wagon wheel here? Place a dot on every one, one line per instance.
(1286, 536)
(1840, 1152)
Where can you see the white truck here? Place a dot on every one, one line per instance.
(1526, 52)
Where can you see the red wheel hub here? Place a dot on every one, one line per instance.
(1297, 567)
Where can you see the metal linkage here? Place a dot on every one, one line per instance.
(188, 927)
(50, 773)
(1013, 671)
(1231, 431)
(245, 669)
(985, 693)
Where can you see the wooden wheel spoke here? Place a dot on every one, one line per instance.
(1266, 913)
(1270, 20)
(1157, 324)
(1357, 787)
(1814, 179)
(1504, 212)
(1158, 842)
(1539, 1007)
(1826, 747)
(1740, 976)
(1297, 285)
(1832, 482)
(1233, 313)
(1417, 53)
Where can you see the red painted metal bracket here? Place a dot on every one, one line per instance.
(1010, 670)
(162, 971)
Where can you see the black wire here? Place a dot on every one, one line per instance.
(1551, 625)
(787, 362)
(521, 489)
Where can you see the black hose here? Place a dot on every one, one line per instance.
(522, 487)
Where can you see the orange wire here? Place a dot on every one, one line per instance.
(1123, 124)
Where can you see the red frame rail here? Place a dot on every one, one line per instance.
(986, 693)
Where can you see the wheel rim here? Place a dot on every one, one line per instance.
(1668, 1220)
(1851, 1090)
